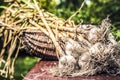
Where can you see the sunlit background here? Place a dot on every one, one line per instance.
(93, 12)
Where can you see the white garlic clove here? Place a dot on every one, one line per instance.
(84, 59)
(94, 34)
(67, 60)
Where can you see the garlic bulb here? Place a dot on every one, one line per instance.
(73, 48)
(94, 34)
(84, 59)
(67, 60)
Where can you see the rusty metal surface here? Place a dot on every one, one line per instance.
(41, 72)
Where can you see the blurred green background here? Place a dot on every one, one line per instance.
(93, 12)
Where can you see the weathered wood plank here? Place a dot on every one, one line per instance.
(41, 72)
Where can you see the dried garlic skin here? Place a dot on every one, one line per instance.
(66, 65)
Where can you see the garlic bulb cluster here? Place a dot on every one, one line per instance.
(93, 52)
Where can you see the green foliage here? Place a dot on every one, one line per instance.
(94, 11)
(23, 65)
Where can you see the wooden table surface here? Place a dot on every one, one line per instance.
(40, 72)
